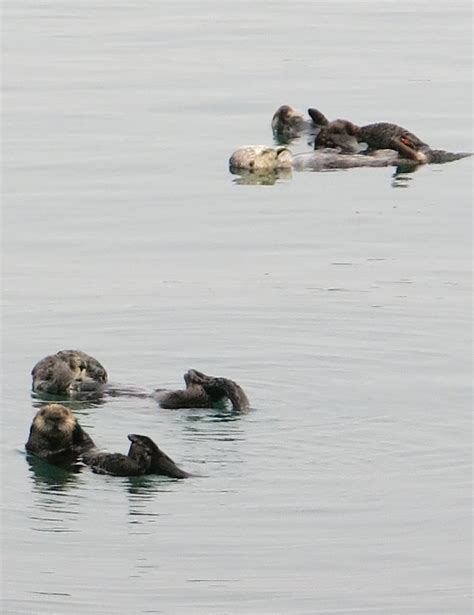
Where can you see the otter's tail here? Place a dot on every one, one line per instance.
(440, 156)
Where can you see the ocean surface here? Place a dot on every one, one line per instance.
(340, 301)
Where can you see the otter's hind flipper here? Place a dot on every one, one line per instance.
(234, 393)
(221, 387)
(440, 156)
(160, 462)
(318, 118)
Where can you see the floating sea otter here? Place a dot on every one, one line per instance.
(380, 136)
(202, 391)
(261, 159)
(73, 373)
(265, 159)
(69, 373)
(57, 437)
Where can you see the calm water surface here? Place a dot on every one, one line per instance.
(341, 301)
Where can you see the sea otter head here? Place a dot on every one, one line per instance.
(285, 117)
(260, 158)
(54, 420)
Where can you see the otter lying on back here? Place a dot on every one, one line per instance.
(56, 436)
(202, 392)
(382, 135)
(69, 373)
(74, 373)
(262, 159)
(250, 158)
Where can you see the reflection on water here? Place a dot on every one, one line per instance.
(260, 178)
(53, 478)
(400, 176)
(75, 404)
(93, 399)
(56, 509)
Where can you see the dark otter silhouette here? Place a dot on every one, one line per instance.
(379, 136)
(56, 436)
(159, 463)
(70, 373)
(202, 391)
(144, 457)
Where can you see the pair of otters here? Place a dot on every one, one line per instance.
(57, 437)
(337, 144)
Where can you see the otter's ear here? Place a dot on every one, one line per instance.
(318, 118)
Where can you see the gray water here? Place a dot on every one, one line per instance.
(340, 301)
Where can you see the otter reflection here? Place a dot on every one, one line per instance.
(56, 437)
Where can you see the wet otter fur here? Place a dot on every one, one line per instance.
(159, 462)
(381, 135)
(260, 158)
(202, 391)
(247, 159)
(329, 158)
(56, 436)
(69, 373)
(144, 457)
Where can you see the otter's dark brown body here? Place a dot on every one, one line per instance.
(203, 391)
(378, 136)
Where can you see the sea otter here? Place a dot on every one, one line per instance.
(73, 373)
(288, 123)
(56, 436)
(69, 373)
(262, 159)
(382, 135)
(202, 391)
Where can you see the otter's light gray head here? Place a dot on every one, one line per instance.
(261, 158)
